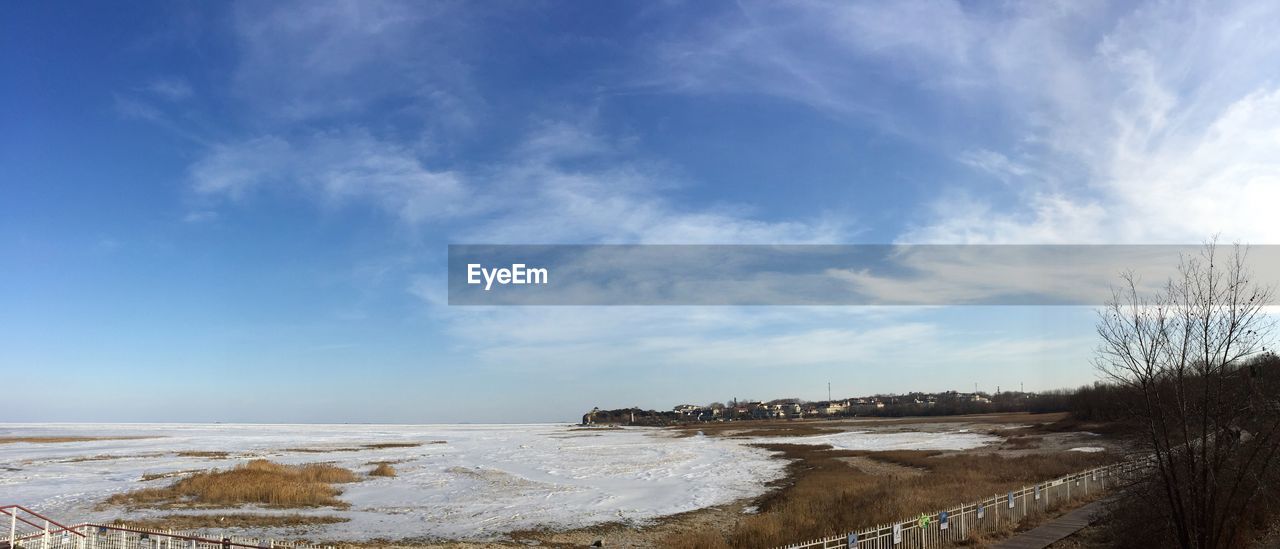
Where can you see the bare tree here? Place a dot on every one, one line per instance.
(1210, 431)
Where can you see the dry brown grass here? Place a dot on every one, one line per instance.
(256, 482)
(369, 446)
(1114, 429)
(234, 520)
(383, 470)
(147, 477)
(383, 445)
(110, 457)
(1021, 442)
(99, 457)
(761, 428)
(203, 454)
(819, 426)
(824, 495)
(52, 440)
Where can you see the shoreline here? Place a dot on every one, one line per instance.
(723, 519)
(707, 526)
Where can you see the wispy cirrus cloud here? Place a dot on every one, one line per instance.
(170, 89)
(1130, 123)
(994, 163)
(336, 170)
(562, 183)
(364, 103)
(710, 348)
(313, 62)
(566, 184)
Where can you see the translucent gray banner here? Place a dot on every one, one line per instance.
(814, 274)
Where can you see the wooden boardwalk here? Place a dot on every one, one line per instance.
(1053, 531)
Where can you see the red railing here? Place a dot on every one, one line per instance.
(14, 513)
(45, 526)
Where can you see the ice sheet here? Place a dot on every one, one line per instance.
(880, 441)
(464, 482)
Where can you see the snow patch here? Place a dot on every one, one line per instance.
(874, 441)
(483, 481)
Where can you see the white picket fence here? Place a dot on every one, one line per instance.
(944, 528)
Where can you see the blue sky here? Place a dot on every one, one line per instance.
(240, 211)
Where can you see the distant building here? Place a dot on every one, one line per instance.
(589, 418)
(835, 408)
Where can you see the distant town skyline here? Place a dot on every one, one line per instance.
(240, 211)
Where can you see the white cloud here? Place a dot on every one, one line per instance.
(336, 169)
(136, 108)
(815, 53)
(132, 108)
(542, 193)
(397, 78)
(307, 65)
(733, 344)
(1130, 123)
(200, 216)
(619, 204)
(1082, 275)
(548, 195)
(431, 289)
(994, 163)
(1042, 218)
(1180, 184)
(307, 61)
(171, 89)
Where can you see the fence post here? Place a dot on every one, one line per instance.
(882, 536)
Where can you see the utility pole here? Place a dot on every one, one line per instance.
(828, 391)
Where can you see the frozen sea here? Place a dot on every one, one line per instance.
(463, 482)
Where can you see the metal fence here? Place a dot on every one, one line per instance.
(943, 528)
(27, 529)
(30, 530)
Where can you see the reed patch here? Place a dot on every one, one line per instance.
(258, 482)
(362, 447)
(62, 440)
(208, 454)
(383, 470)
(233, 520)
(823, 495)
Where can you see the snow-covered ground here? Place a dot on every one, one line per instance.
(882, 441)
(464, 482)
